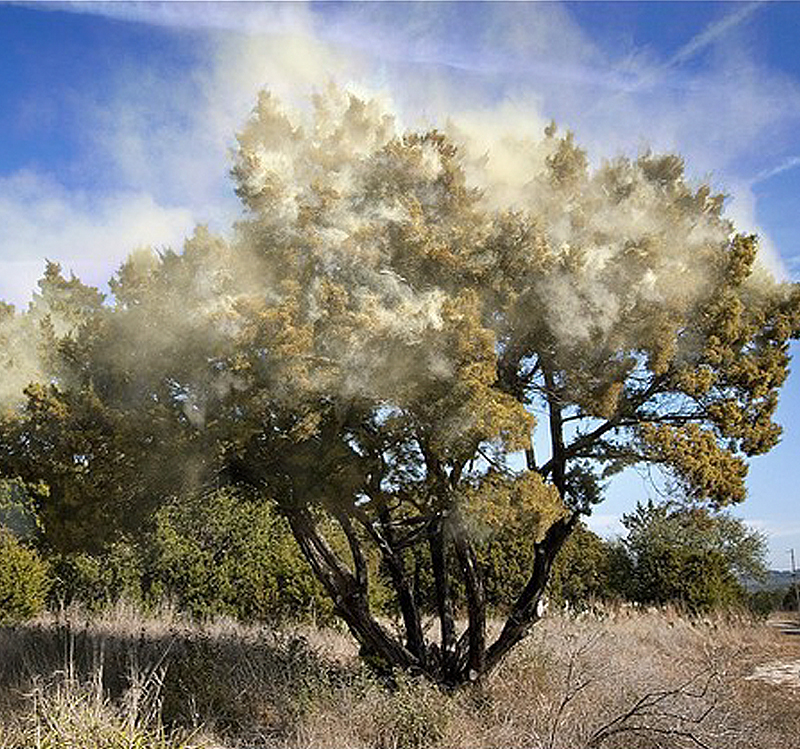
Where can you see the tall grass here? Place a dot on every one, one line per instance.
(631, 680)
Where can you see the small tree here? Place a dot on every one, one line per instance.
(24, 580)
(389, 324)
(689, 556)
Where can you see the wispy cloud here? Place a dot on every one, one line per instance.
(165, 140)
(776, 529)
(213, 16)
(786, 165)
(782, 535)
(87, 234)
(712, 34)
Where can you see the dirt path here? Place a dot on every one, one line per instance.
(786, 623)
(782, 673)
(785, 672)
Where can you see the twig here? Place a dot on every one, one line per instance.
(648, 706)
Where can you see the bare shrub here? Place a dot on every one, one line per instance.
(630, 679)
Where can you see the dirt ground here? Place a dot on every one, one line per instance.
(782, 672)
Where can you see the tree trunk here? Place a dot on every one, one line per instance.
(349, 596)
(476, 609)
(444, 602)
(524, 613)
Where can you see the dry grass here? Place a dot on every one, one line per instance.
(634, 680)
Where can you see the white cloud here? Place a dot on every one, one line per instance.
(155, 153)
(742, 210)
(220, 15)
(86, 234)
(165, 139)
(607, 526)
(776, 528)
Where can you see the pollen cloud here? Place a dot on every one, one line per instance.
(342, 87)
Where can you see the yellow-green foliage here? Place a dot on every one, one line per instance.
(24, 580)
(523, 505)
(706, 470)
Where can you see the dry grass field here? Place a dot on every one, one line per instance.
(627, 680)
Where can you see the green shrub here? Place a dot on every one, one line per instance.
(687, 556)
(214, 554)
(98, 580)
(24, 580)
(581, 571)
(579, 574)
(763, 602)
(18, 508)
(223, 553)
(789, 600)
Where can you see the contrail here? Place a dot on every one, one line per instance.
(791, 163)
(711, 34)
(696, 44)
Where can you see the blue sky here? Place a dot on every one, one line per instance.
(117, 119)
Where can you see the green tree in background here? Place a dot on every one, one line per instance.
(96, 433)
(24, 575)
(222, 553)
(395, 315)
(688, 555)
(218, 553)
(18, 514)
(582, 571)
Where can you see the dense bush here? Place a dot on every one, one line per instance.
(579, 574)
(225, 553)
(18, 513)
(209, 554)
(789, 599)
(24, 580)
(582, 570)
(101, 579)
(701, 581)
(763, 602)
(674, 554)
(222, 553)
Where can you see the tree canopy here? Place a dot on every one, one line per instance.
(688, 555)
(383, 333)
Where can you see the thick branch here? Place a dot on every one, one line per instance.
(441, 503)
(530, 456)
(625, 417)
(524, 614)
(476, 606)
(349, 598)
(393, 557)
(359, 561)
(558, 460)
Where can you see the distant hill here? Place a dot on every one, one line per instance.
(776, 579)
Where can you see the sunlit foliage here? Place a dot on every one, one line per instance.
(373, 346)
